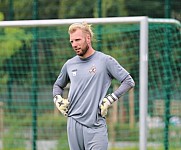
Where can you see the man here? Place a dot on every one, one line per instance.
(89, 73)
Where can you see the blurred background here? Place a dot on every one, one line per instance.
(31, 59)
(64, 9)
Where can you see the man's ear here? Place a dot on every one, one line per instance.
(88, 38)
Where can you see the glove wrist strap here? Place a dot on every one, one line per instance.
(56, 98)
(115, 97)
(111, 98)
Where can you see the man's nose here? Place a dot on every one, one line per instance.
(74, 44)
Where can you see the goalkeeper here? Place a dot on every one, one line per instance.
(89, 73)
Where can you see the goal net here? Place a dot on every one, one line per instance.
(32, 53)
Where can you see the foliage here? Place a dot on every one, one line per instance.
(63, 142)
(53, 127)
(12, 10)
(48, 126)
(12, 40)
(125, 133)
(1, 16)
(149, 148)
(113, 8)
(13, 137)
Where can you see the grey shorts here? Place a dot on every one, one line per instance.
(81, 137)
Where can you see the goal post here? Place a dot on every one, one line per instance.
(142, 25)
(143, 79)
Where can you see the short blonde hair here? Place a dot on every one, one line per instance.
(86, 28)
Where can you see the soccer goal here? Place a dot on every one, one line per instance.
(33, 51)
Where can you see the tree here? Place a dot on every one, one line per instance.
(79, 9)
(152, 8)
(10, 44)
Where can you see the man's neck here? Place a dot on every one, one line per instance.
(89, 53)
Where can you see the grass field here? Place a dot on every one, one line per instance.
(52, 129)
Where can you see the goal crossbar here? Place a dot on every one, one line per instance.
(55, 22)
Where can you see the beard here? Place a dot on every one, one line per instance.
(83, 50)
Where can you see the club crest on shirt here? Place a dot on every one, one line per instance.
(92, 69)
(74, 72)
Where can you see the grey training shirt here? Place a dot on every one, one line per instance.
(89, 80)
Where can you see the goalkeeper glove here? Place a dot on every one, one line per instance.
(62, 104)
(106, 102)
